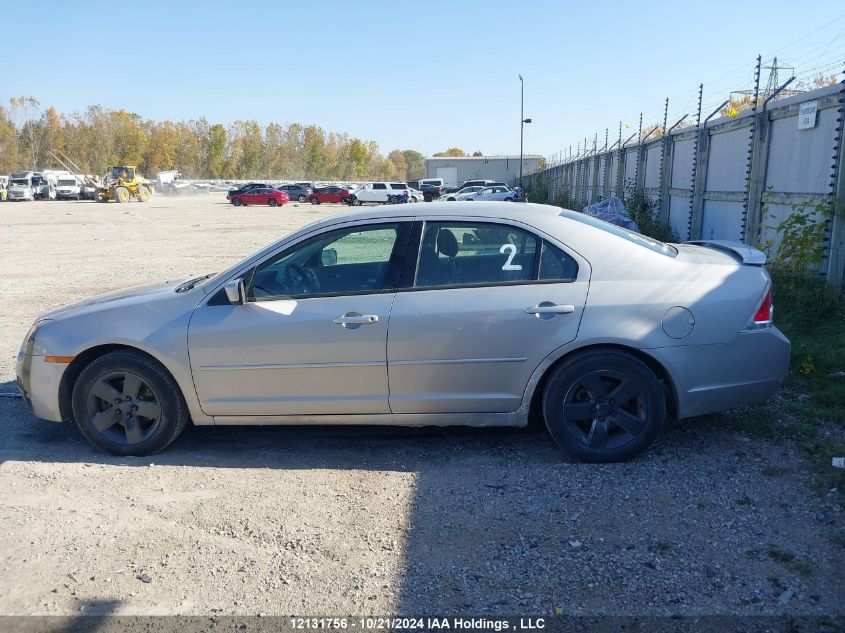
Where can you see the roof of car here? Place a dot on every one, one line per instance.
(487, 209)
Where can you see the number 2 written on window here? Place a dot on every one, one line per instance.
(511, 250)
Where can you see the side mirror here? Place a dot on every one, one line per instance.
(235, 291)
(329, 257)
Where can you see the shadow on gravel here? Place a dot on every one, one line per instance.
(502, 521)
(27, 438)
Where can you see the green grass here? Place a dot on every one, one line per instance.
(812, 316)
(790, 561)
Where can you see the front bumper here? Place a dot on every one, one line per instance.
(39, 383)
(710, 378)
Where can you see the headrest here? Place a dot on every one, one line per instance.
(447, 243)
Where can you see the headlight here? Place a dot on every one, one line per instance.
(29, 341)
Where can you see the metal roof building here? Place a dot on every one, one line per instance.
(457, 170)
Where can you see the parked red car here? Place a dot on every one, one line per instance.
(328, 194)
(264, 195)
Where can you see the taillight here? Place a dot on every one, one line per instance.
(764, 315)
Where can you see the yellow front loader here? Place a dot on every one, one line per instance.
(124, 183)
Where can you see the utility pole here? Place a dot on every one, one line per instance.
(522, 122)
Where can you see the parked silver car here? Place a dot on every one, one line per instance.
(473, 313)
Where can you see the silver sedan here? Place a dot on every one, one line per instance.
(467, 313)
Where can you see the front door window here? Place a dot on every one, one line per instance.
(356, 260)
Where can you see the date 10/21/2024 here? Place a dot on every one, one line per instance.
(374, 623)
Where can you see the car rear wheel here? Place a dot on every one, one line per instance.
(301, 198)
(315, 201)
(604, 406)
(237, 202)
(128, 404)
(508, 199)
(272, 202)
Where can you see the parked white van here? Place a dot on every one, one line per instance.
(69, 187)
(21, 186)
(378, 192)
(44, 185)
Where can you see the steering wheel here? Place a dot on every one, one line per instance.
(301, 280)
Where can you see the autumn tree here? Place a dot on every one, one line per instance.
(415, 165)
(400, 167)
(215, 152)
(99, 138)
(452, 151)
(8, 143)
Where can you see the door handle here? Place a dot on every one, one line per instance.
(354, 319)
(550, 308)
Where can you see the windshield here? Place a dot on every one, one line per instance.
(19, 181)
(127, 173)
(67, 182)
(631, 236)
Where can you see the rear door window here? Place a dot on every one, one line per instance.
(472, 254)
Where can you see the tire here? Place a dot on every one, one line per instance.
(237, 202)
(315, 201)
(301, 198)
(508, 199)
(427, 197)
(272, 202)
(413, 198)
(143, 193)
(604, 406)
(121, 194)
(356, 202)
(147, 414)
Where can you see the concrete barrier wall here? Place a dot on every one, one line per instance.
(731, 179)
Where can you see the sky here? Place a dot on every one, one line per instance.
(413, 75)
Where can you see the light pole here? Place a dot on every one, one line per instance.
(522, 122)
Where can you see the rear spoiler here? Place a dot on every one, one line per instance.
(747, 254)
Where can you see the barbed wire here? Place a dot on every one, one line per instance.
(806, 60)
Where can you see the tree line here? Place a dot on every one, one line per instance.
(99, 138)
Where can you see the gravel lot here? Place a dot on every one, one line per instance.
(367, 520)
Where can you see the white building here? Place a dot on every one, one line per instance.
(457, 170)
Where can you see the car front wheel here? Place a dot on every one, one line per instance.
(126, 403)
(604, 406)
(301, 198)
(273, 202)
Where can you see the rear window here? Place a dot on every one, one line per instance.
(625, 234)
(379, 185)
(398, 185)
